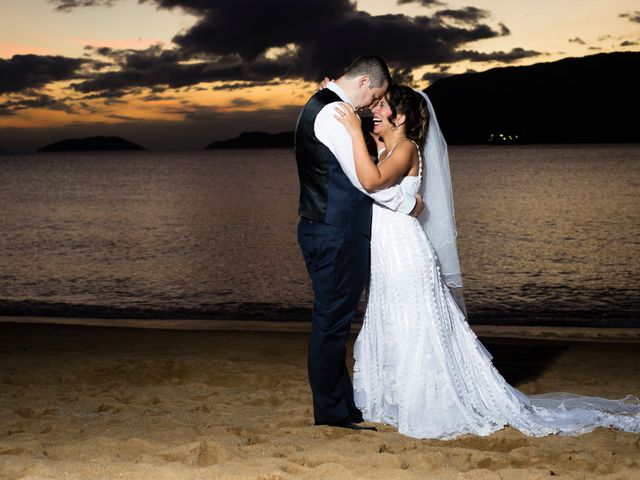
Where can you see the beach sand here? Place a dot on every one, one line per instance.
(80, 402)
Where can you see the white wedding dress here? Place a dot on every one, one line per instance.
(420, 367)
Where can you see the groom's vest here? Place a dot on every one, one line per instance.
(326, 194)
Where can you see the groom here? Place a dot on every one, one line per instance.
(334, 231)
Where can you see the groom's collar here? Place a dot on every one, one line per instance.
(333, 86)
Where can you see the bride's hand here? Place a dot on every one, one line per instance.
(347, 116)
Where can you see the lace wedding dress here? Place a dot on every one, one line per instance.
(420, 367)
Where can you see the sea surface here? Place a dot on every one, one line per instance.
(548, 235)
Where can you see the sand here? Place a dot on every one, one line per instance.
(79, 402)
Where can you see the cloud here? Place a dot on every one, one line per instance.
(441, 71)
(504, 30)
(21, 72)
(243, 85)
(124, 117)
(503, 57)
(628, 43)
(402, 76)
(577, 40)
(154, 67)
(467, 14)
(242, 102)
(154, 98)
(424, 3)
(251, 41)
(34, 100)
(631, 16)
(68, 5)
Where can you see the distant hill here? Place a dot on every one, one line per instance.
(574, 100)
(256, 140)
(91, 143)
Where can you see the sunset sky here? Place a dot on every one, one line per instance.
(178, 74)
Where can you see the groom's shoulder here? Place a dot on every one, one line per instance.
(321, 98)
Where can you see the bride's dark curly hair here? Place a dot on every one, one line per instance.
(405, 100)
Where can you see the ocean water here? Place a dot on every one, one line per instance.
(547, 234)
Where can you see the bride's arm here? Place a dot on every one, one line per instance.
(374, 177)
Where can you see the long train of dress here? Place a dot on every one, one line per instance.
(420, 367)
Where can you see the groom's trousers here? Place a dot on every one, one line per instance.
(337, 260)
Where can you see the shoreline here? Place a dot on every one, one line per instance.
(566, 334)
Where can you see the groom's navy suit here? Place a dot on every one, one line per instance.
(333, 234)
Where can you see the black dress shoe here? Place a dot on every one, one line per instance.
(350, 424)
(355, 426)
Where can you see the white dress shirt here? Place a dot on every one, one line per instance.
(335, 136)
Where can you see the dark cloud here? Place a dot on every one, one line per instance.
(466, 15)
(154, 98)
(424, 3)
(251, 41)
(154, 66)
(242, 102)
(35, 100)
(108, 94)
(248, 28)
(402, 76)
(628, 43)
(68, 5)
(124, 117)
(632, 16)
(577, 40)
(21, 72)
(243, 85)
(440, 71)
(503, 57)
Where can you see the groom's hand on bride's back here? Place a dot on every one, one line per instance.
(418, 207)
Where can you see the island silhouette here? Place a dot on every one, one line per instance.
(256, 140)
(91, 144)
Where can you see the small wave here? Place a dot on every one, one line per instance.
(220, 311)
(517, 314)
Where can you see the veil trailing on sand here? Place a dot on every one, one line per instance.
(438, 217)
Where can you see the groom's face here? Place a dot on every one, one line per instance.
(372, 96)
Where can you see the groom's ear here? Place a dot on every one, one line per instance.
(364, 81)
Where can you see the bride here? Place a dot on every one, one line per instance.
(419, 366)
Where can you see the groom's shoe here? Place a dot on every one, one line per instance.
(355, 426)
(351, 425)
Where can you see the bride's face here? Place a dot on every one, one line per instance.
(381, 113)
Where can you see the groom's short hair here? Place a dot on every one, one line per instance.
(370, 65)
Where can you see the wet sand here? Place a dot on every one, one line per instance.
(87, 402)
